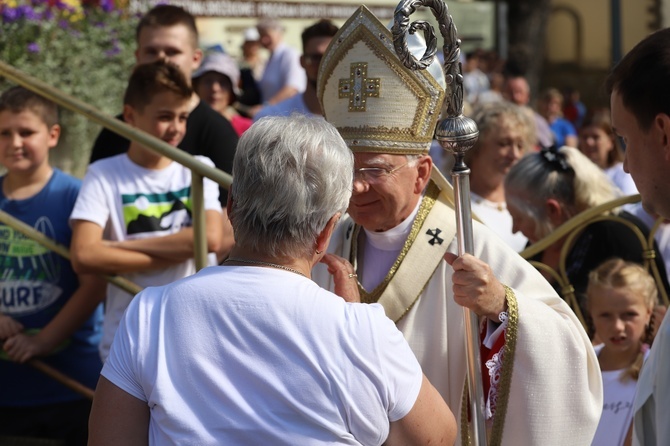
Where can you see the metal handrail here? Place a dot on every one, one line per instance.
(121, 282)
(197, 167)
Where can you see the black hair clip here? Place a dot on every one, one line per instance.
(555, 158)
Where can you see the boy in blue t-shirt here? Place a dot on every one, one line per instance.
(46, 309)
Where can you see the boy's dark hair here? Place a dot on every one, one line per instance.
(167, 16)
(641, 78)
(18, 99)
(150, 79)
(322, 28)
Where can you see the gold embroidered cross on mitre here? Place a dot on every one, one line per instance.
(359, 87)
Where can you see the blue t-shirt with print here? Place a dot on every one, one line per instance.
(35, 283)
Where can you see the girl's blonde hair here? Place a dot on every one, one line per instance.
(621, 275)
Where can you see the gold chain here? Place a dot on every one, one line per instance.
(258, 262)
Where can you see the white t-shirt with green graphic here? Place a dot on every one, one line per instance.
(131, 202)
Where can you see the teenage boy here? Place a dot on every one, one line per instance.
(42, 300)
(133, 214)
(169, 32)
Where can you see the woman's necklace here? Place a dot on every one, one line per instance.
(478, 199)
(258, 262)
(490, 204)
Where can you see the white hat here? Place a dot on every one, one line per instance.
(251, 35)
(223, 64)
(366, 92)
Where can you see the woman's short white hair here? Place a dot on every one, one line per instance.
(491, 117)
(567, 176)
(290, 176)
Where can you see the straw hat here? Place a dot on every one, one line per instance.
(376, 103)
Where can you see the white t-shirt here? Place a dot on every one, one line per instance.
(132, 202)
(617, 413)
(475, 83)
(283, 69)
(621, 179)
(498, 219)
(251, 355)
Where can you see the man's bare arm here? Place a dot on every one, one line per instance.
(178, 246)
(89, 255)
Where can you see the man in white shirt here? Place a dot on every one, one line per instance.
(283, 76)
(315, 40)
(641, 116)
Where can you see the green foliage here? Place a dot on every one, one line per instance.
(84, 50)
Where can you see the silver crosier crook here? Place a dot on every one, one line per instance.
(456, 134)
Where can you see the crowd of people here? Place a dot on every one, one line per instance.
(332, 310)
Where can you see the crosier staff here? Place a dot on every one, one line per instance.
(456, 134)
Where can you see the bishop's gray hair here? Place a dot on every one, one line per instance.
(290, 176)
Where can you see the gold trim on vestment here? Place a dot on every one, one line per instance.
(504, 385)
(432, 192)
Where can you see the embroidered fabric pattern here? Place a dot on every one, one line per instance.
(494, 366)
(495, 429)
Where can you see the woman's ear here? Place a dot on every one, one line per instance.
(554, 212)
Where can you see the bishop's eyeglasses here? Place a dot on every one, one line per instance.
(375, 175)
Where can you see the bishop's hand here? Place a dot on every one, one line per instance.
(475, 286)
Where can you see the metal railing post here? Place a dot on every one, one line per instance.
(199, 226)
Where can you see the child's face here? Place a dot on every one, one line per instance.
(25, 140)
(172, 43)
(164, 117)
(619, 317)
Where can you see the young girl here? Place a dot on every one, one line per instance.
(621, 297)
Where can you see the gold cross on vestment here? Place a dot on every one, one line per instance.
(358, 87)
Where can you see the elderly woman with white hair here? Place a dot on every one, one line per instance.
(253, 351)
(506, 133)
(547, 188)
